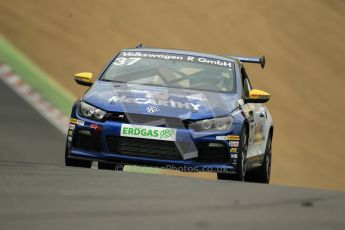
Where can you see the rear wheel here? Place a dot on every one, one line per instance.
(76, 162)
(109, 166)
(241, 160)
(263, 173)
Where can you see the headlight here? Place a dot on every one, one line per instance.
(220, 123)
(90, 111)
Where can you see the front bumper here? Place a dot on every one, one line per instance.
(102, 141)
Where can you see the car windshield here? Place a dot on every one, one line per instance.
(172, 70)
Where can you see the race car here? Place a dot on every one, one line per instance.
(174, 109)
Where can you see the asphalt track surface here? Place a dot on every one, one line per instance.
(38, 192)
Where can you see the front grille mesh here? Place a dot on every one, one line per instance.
(137, 147)
(164, 150)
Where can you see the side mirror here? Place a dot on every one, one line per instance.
(257, 96)
(84, 79)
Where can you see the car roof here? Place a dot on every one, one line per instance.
(183, 52)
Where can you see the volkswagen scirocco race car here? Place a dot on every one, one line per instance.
(175, 109)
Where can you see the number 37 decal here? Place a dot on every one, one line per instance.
(125, 61)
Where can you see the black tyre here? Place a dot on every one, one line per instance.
(109, 166)
(263, 174)
(241, 160)
(226, 176)
(76, 162)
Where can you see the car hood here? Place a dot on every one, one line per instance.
(160, 101)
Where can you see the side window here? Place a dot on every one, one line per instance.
(245, 83)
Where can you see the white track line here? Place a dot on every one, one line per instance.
(26, 92)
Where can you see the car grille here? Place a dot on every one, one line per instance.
(137, 147)
(148, 120)
(164, 150)
(87, 142)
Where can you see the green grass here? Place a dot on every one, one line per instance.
(138, 169)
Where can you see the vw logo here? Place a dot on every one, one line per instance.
(151, 109)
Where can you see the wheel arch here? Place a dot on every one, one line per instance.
(270, 132)
(246, 126)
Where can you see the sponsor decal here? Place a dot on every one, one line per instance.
(145, 101)
(97, 128)
(77, 122)
(148, 132)
(71, 126)
(94, 126)
(259, 132)
(233, 150)
(228, 138)
(74, 121)
(151, 109)
(234, 156)
(234, 143)
(233, 138)
(166, 133)
(221, 138)
(165, 56)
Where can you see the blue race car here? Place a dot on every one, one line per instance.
(174, 109)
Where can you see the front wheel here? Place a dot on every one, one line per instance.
(263, 174)
(241, 160)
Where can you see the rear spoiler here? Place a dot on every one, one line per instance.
(141, 45)
(258, 60)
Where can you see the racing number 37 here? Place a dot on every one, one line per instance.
(125, 61)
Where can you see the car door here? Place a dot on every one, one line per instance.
(261, 129)
(255, 114)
